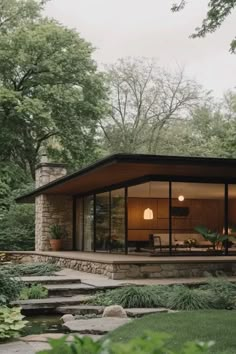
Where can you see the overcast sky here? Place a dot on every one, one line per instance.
(120, 28)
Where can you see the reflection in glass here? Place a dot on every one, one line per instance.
(88, 223)
(200, 209)
(118, 220)
(102, 222)
(79, 224)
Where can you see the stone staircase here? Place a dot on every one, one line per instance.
(63, 292)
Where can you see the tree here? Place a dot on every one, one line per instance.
(210, 130)
(16, 12)
(217, 13)
(51, 95)
(143, 100)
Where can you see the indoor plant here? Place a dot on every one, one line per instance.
(57, 233)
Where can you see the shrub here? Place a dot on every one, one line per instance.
(10, 287)
(133, 296)
(17, 228)
(33, 292)
(28, 269)
(11, 322)
(223, 292)
(151, 343)
(184, 298)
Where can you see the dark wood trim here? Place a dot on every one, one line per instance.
(83, 224)
(94, 222)
(74, 224)
(126, 220)
(170, 218)
(226, 216)
(109, 215)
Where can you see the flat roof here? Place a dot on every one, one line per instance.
(120, 168)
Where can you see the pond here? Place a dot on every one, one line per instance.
(43, 324)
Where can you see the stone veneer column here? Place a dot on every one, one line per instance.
(51, 209)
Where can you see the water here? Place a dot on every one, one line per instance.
(42, 324)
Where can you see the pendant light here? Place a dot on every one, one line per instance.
(148, 213)
(180, 198)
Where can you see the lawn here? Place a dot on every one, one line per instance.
(217, 325)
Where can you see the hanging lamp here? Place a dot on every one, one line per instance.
(180, 198)
(148, 213)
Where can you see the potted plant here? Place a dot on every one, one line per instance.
(57, 233)
(214, 237)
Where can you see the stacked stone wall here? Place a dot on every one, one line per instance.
(49, 210)
(131, 270)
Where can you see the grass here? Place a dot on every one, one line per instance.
(31, 269)
(217, 325)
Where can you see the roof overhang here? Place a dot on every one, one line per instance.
(118, 169)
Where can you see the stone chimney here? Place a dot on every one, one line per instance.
(51, 209)
(48, 171)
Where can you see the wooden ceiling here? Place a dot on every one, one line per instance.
(119, 169)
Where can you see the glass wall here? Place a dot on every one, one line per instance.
(196, 208)
(102, 228)
(118, 220)
(178, 225)
(232, 217)
(148, 214)
(88, 223)
(79, 224)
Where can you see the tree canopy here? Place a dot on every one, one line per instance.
(51, 94)
(144, 98)
(218, 10)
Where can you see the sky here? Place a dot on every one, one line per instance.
(147, 28)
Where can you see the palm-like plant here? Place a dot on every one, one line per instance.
(213, 236)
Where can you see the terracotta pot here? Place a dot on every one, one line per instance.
(56, 245)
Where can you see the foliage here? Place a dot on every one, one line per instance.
(11, 322)
(17, 221)
(31, 269)
(57, 232)
(51, 95)
(133, 296)
(209, 131)
(3, 300)
(150, 342)
(186, 299)
(144, 98)
(218, 10)
(10, 286)
(212, 236)
(35, 291)
(223, 293)
(17, 229)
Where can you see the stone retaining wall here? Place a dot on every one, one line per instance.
(138, 270)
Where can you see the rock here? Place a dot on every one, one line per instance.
(114, 311)
(67, 318)
(96, 325)
(139, 312)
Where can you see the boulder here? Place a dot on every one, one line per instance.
(114, 311)
(67, 318)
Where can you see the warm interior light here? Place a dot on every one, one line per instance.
(148, 214)
(181, 198)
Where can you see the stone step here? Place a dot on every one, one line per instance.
(55, 279)
(43, 338)
(98, 310)
(48, 306)
(140, 312)
(98, 326)
(81, 310)
(69, 289)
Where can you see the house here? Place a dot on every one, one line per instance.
(117, 204)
